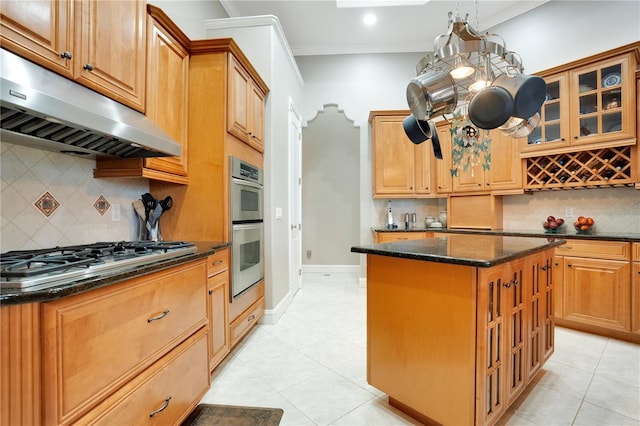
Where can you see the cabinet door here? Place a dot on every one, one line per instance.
(553, 131)
(237, 111)
(443, 167)
(218, 290)
(469, 180)
(597, 292)
(506, 165)
(39, 30)
(514, 290)
(256, 126)
(424, 168)
(110, 49)
(635, 297)
(558, 283)
(167, 93)
(491, 351)
(603, 101)
(393, 157)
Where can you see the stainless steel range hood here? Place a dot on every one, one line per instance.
(44, 110)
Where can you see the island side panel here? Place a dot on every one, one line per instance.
(421, 335)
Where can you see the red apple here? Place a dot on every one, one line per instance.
(553, 225)
(545, 225)
(559, 221)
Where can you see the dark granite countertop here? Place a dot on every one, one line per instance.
(470, 250)
(14, 296)
(567, 232)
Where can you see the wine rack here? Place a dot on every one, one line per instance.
(605, 167)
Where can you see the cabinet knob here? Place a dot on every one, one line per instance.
(569, 265)
(507, 284)
(544, 268)
(65, 55)
(210, 291)
(488, 183)
(88, 67)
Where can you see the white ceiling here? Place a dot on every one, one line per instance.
(319, 27)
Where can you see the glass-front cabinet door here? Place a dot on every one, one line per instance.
(601, 102)
(553, 131)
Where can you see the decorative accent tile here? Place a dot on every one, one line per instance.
(47, 204)
(102, 205)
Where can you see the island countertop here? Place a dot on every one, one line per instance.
(472, 250)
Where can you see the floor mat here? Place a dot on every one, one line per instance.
(228, 415)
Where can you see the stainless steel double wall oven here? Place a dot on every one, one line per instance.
(247, 226)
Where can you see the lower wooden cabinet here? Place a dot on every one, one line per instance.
(218, 307)
(515, 331)
(597, 283)
(245, 311)
(111, 355)
(635, 297)
(492, 326)
(163, 394)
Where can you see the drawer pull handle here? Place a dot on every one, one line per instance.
(251, 318)
(162, 315)
(217, 262)
(161, 409)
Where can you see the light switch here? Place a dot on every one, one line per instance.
(278, 212)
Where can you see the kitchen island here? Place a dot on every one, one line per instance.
(458, 325)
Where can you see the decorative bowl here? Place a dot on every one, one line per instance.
(583, 224)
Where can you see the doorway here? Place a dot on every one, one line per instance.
(295, 199)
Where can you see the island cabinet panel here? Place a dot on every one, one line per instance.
(96, 342)
(456, 344)
(635, 290)
(421, 318)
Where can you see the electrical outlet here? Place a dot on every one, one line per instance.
(568, 212)
(115, 212)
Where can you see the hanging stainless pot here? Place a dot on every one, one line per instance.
(517, 127)
(491, 107)
(432, 93)
(528, 92)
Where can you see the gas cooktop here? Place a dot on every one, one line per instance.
(43, 268)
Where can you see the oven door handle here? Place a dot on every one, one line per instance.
(244, 226)
(246, 183)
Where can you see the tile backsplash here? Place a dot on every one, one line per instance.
(79, 207)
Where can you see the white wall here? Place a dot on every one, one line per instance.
(261, 40)
(189, 15)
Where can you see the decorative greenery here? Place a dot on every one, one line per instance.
(468, 144)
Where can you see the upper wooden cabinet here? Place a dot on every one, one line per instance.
(97, 43)
(245, 106)
(41, 31)
(210, 146)
(504, 174)
(590, 103)
(401, 169)
(110, 49)
(167, 103)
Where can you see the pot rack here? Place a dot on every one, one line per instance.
(481, 51)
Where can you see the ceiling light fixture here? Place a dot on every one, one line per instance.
(369, 19)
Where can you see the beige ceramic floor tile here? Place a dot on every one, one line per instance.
(615, 396)
(592, 415)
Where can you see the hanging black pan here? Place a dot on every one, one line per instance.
(491, 107)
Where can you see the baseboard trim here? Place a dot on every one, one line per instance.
(272, 316)
(331, 269)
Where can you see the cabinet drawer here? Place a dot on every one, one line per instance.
(244, 322)
(96, 341)
(613, 250)
(182, 376)
(635, 250)
(386, 237)
(218, 262)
